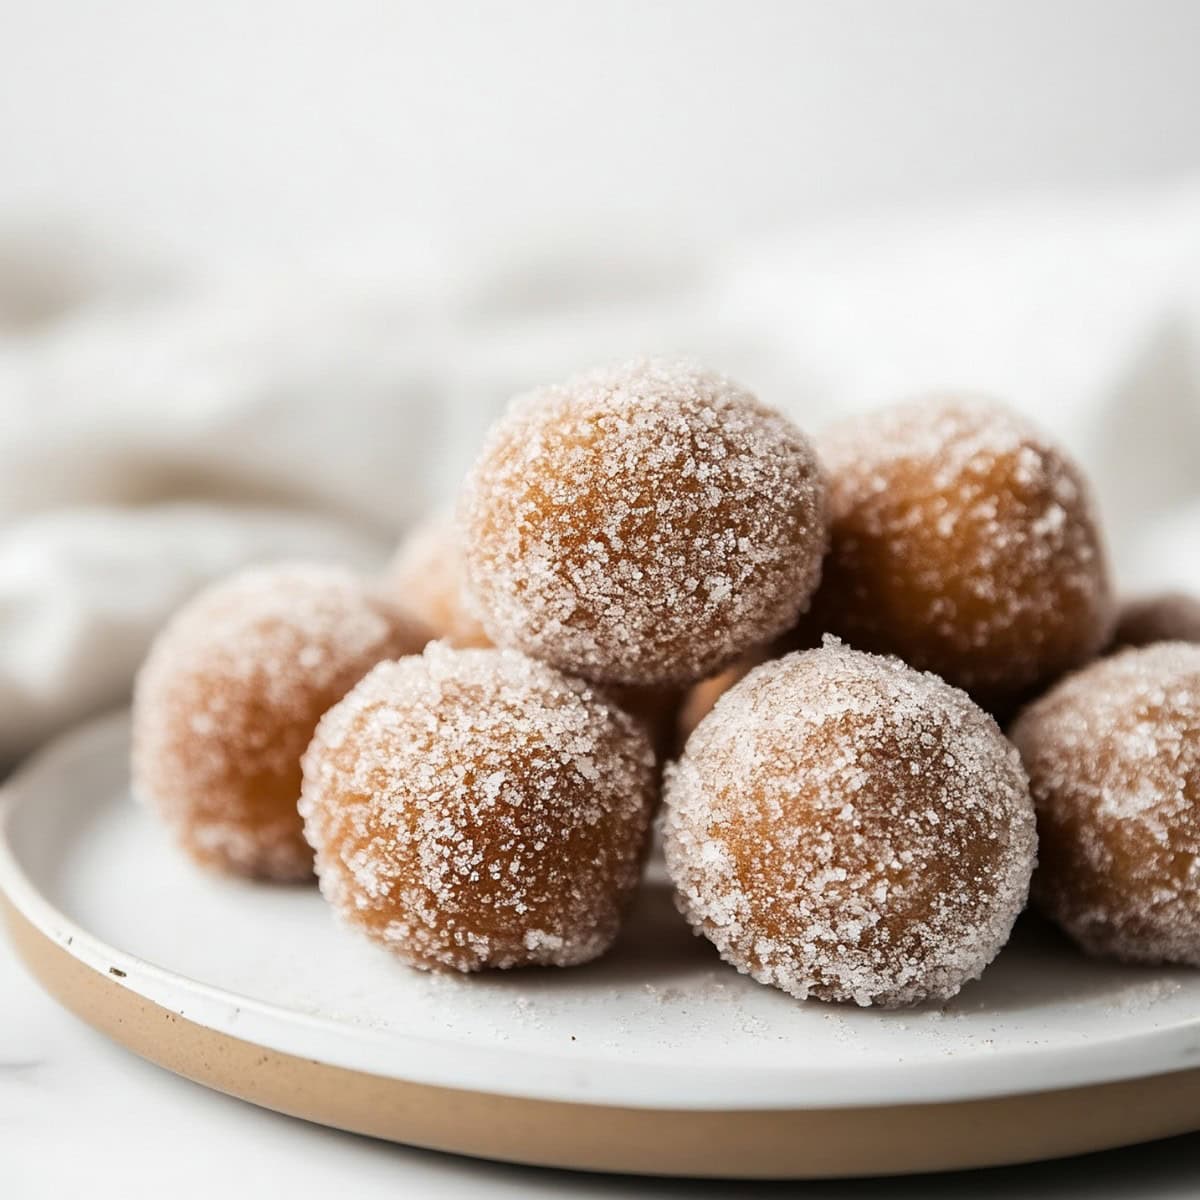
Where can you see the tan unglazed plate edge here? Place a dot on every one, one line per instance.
(769, 1142)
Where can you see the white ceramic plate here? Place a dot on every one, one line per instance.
(659, 1024)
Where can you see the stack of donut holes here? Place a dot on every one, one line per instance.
(658, 595)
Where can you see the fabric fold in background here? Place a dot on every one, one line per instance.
(155, 433)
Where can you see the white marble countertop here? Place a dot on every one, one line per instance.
(77, 1112)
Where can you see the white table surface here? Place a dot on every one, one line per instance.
(78, 1113)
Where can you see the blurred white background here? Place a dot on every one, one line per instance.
(267, 127)
(267, 267)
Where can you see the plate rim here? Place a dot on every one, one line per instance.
(712, 1144)
(543, 1075)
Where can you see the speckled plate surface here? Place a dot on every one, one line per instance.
(657, 1058)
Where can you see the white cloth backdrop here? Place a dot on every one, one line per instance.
(155, 433)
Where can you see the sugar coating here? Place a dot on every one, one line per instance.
(701, 697)
(1113, 754)
(425, 578)
(475, 808)
(228, 698)
(967, 544)
(699, 701)
(1168, 617)
(642, 524)
(844, 827)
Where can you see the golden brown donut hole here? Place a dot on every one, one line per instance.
(1113, 755)
(229, 696)
(844, 827)
(1166, 617)
(965, 543)
(424, 578)
(642, 525)
(475, 808)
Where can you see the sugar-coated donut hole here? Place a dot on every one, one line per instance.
(644, 524)
(844, 827)
(425, 578)
(1166, 617)
(228, 699)
(966, 543)
(475, 808)
(1113, 755)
